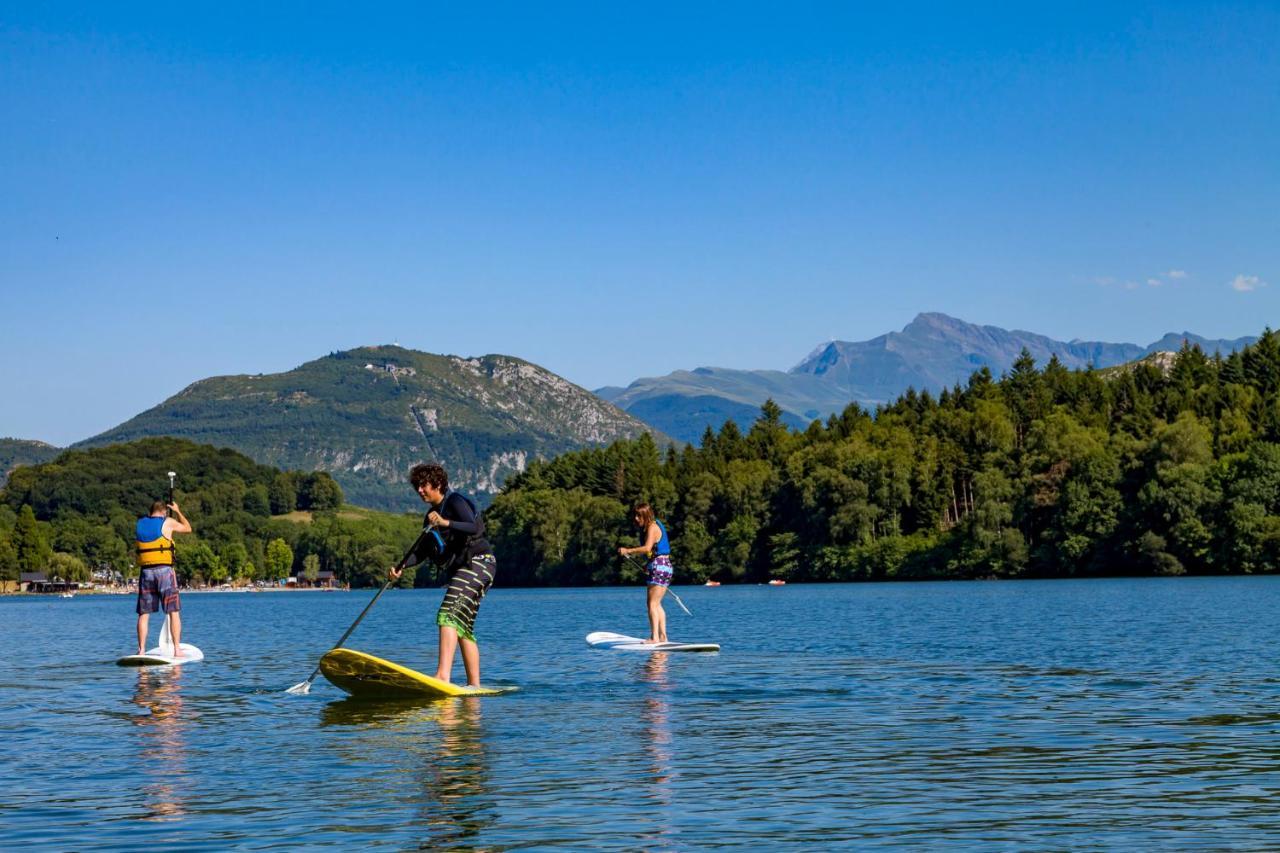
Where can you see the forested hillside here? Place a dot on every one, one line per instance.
(1043, 473)
(367, 415)
(75, 516)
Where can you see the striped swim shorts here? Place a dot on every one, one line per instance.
(462, 599)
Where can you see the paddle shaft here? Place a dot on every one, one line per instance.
(400, 565)
(643, 567)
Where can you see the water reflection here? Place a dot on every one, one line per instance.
(656, 719)
(163, 743)
(441, 746)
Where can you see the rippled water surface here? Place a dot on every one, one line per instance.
(1037, 715)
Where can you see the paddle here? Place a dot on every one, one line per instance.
(643, 567)
(305, 686)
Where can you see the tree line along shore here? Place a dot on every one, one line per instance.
(1157, 468)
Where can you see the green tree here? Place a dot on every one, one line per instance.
(311, 568)
(196, 563)
(257, 500)
(29, 542)
(235, 557)
(68, 567)
(283, 494)
(8, 561)
(279, 559)
(319, 491)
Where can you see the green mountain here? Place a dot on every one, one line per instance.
(20, 451)
(368, 414)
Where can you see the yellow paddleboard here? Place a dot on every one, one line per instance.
(365, 675)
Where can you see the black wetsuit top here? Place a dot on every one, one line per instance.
(463, 538)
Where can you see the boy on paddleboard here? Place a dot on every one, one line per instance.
(157, 583)
(469, 559)
(657, 547)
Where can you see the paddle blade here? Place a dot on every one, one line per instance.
(300, 688)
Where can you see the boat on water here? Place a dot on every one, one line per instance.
(712, 583)
(777, 582)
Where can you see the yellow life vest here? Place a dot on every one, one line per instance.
(153, 552)
(157, 552)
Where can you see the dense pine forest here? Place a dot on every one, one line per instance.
(1164, 467)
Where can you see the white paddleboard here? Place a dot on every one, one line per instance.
(162, 655)
(623, 643)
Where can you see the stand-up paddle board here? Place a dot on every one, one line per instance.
(365, 675)
(162, 655)
(622, 643)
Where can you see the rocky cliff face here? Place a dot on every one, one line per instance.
(367, 415)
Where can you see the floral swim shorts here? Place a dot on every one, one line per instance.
(660, 570)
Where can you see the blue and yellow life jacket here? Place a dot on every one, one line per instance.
(154, 548)
(661, 548)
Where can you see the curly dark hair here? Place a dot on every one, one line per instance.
(429, 472)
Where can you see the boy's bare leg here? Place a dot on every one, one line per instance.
(471, 660)
(448, 645)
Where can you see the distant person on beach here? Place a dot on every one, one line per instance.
(657, 547)
(467, 557)
(157, 583)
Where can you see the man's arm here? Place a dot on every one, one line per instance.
(176, 525)
(458, 516)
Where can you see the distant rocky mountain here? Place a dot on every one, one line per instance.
(932, 352)
(366, 415)
(21, 451)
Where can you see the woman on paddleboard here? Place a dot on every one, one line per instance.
(657, 547)
(468, 558)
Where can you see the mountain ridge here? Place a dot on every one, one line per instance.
(367, 414)
(931, 352)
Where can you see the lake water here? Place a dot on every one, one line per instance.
(1119, 714)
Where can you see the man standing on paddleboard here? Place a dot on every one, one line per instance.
(468, 558)
(157, 583)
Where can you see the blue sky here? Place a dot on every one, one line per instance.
(613, 193)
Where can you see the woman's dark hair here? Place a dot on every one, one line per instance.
(431, 473)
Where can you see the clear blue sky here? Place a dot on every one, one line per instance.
(613, 193)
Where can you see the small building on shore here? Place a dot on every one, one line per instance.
(324, 580)
(39, 582)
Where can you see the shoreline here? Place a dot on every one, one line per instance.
(133, 590)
